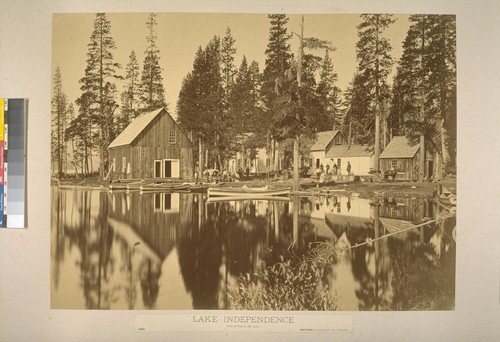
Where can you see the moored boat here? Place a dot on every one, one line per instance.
(256, 197)
(163, 187)
(247, 192)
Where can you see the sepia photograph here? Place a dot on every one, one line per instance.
(230, 161)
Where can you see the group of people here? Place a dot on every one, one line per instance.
(213, 175)
(321, 169)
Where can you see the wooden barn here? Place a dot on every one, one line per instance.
(404, 157)
(151, 146)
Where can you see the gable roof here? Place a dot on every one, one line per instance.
(128, 135)
(345, 151)
(399, 148)
(323, 139)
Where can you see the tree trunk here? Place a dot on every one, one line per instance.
(296, 179)
(296, 141)
(422, 158)
(377, 138)
(200, 158)
(276, 156)
(444, 148)
(349, 138)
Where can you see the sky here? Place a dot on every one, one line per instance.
(180, 35)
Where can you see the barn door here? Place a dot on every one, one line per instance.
(167, 168)
(171, 168)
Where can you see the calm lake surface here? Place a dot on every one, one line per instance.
(177, 251)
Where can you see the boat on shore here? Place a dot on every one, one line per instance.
(247, 192)
(162, 187)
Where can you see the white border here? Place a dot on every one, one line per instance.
(25, 55)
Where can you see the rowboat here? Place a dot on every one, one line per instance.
(248, 192)
(163, 187)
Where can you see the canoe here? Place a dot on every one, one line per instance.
(247, 192)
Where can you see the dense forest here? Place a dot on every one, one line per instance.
(229, 106)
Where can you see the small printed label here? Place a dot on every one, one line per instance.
(244, 322)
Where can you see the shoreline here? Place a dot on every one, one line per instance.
(309, 187)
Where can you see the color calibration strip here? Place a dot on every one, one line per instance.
(13, 113)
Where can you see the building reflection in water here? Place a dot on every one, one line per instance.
(176, 251)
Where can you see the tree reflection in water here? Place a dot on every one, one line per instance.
(261, 252)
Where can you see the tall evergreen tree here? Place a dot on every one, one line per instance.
(329, 92)
(256, 80)
(374, 65)
(81, 133)
(59, 122)
(152, 90)
(443, 76)
(278, 59)
(131, 93)
(200, 104)
(278, 56)
(228, 69)
(98, 89)
(427, 82)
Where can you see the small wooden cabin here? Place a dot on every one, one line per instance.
(404, 157)
(151, 146)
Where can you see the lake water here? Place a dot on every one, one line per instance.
(179, 251)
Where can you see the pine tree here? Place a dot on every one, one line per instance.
(152, 91)
(200, 103)
(131, 93)
(98, 90)
(329, 93)
(443, 77)
(374, 65)
(256, 80)
(228, 69)
(278, 58)
(357, 124)
(59, 122)
(427, 83)
(81, 132)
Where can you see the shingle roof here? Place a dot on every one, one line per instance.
(134, 128)
(323, 139)
(345, 151)
(399, 148)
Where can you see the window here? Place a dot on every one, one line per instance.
(394, 163)
(339, 165)
(113, 165)
(171, 137)
(124, 164)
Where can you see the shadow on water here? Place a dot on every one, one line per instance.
(176, 251)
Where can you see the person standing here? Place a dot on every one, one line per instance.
(348, 168)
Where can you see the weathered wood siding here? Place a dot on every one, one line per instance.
(406, 166)
(338, 140)
(156, 226)
(410, 167)
(153, 144)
